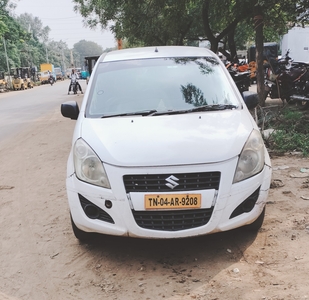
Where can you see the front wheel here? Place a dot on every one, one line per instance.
(257, 224)
(75, 89)
(80, 234)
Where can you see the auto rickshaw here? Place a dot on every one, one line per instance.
(26, 75)
(22, 79)
(18, 82)
(3, 82)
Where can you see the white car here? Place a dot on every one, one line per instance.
(164, 146)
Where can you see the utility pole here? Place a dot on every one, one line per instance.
(72, 60)
(7, 61)
(46, 54)
(63, 61)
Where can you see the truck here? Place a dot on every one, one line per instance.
(44, 68)
(58, 73)
(90, 62)
(296, 41)
(270, 51)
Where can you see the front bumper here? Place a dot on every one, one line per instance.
(119, 212)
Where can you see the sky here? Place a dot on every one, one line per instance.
(65, 24)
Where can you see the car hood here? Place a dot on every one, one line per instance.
(192, 138)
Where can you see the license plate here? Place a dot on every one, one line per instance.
(172, 201)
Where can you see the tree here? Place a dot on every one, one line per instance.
(259, 44)
(33, 49)
(179, 22)
(142, 21)
(34, 26)
(58, 54)
(86, 48)
(13, 34)
(220, 19)
(27, 42)
(277, 12)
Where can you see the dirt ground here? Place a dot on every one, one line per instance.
(41, 259)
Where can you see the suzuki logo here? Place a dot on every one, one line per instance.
(172, 182)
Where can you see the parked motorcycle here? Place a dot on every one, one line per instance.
(241, 78)
(287, 80)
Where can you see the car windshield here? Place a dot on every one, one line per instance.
(157, 86)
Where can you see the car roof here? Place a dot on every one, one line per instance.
(156, 52)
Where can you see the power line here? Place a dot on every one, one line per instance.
(77, 17)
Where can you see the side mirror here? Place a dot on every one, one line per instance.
(251, 99)
(70, 110)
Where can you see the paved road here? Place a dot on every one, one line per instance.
(19, 108)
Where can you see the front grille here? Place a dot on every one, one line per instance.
(186, 182)
(172, 220)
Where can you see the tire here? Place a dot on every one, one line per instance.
(257, 224)
(304, 105)
(80, 234)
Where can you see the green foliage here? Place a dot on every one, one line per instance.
(34, 26)
(157, 22)
(85, 48)
(13, 34)
(146, 22)
(27, 43)
(184, 22)
(291, 132)
(88, 48)
(149, 22)
(289, 142)
(290, 116)
(3, 27)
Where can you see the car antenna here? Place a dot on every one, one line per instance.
(156, 50)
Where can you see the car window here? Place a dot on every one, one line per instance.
(165, 84)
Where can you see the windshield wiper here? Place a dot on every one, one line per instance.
(153, 112)
(196, 109)
(135, 113)
(213, 107)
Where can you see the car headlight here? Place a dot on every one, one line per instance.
(88, 166)
(251, 159)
